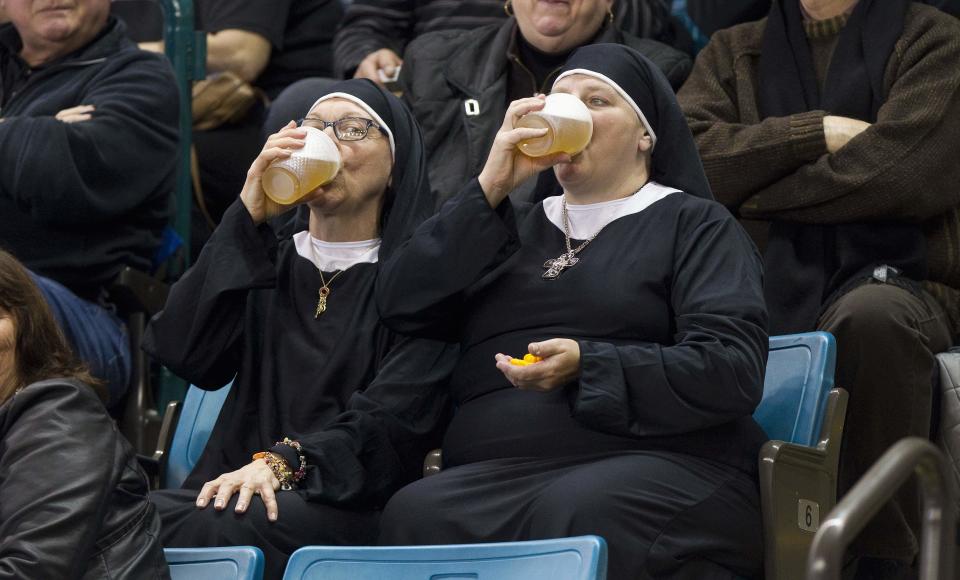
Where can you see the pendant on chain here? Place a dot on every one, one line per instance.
(322, 302)
(556, 266)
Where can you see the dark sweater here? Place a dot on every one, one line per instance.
(897, 170)
(78, 201)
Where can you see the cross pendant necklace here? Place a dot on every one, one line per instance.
(557, 265)
(568, 259)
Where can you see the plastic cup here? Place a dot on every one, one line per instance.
(317, 163)
(568, 123)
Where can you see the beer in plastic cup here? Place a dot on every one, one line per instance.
(568, 123)
(316, 164)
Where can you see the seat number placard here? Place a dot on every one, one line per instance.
(808, 515)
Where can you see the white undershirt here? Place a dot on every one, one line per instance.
(588, 219)
(331, 256)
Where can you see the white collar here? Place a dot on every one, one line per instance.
(330, 256)
(586, 220)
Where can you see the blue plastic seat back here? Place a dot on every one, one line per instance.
(579, 558)
(799, 377)
(197, 418)
(226, 563)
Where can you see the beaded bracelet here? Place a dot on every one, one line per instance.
(281, 470)
(302, 470)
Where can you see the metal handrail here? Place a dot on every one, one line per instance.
(186, 50)
(878, 484)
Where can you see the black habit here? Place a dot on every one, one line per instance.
(363, 401)
(653, 447)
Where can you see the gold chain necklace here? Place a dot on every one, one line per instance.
(324, 292)
(556, 266)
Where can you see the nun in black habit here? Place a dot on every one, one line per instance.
(362, 403)
(643, 297)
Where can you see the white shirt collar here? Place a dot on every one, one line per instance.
(330, 256)
(586, 220)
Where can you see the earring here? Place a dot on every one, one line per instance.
(508, 8)
(609, 15)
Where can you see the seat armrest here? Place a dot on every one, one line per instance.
(167, 428)
(136, 291)
(798, 487)
(156, 465)
(433, 462)
(165, 439)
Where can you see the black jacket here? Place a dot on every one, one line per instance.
(442, 70)
(78, 201)
(73, 501)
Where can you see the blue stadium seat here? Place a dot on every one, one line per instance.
(197, 418)
(580, 558)
(228, 563)
(796, 387)
(803, 415)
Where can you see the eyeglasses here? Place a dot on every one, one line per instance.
(346, 129)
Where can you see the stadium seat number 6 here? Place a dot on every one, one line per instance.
(808, 515)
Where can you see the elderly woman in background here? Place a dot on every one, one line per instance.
(459, 84)
(73, 502)
(642, 296)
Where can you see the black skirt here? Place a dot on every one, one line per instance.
(663, 514)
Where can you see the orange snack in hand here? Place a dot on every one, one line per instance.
(528, 359)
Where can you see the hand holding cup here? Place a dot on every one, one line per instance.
(506, 168)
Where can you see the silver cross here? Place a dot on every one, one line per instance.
(556, 266)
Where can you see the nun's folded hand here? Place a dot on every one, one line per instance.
(560, 365)
(278, 146)
(506, 168)
(838, 131)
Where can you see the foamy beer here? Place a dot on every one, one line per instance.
(316, 164)
(568, 123)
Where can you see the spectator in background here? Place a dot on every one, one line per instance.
(374, 33)
(701, 18)
(88, 143)
(458, 84)
(268, 44)
(844, 154)
(74, 499)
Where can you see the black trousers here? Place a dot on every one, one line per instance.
(887, 340)
(663, 515)
(299, 523)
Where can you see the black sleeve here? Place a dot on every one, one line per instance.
(91, 172)
(713, 373)
(55, 479)
(378, 443)
(268, 18)
(420, 288)
(368, 26)
(198, 334)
